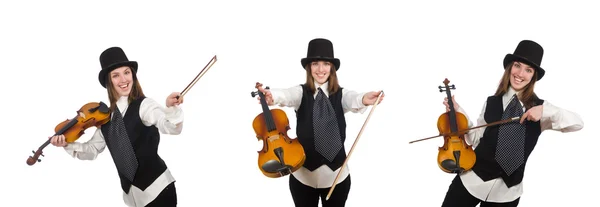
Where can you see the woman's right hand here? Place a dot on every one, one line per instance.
(268, 96)
(58, 140)
(456, 106)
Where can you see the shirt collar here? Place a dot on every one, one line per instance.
(508, 96)
(323, 87)
(122, 103)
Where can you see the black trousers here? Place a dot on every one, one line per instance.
(306, 196)
(458, 196)
(166, 198)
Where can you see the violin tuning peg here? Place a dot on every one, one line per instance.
(42, 155)
(253, 93)
(39, 160)
(32, 151)
(267, 87)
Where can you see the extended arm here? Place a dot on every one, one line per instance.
(168, 120)
(87, 150)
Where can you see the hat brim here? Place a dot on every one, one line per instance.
(510, 58)
(104, 72)
(335, 61)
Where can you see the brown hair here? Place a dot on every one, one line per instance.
(527, 96)
(113, 96)
(333, 86)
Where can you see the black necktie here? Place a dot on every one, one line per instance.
(120, 146)
(511, 139)
(328, 141)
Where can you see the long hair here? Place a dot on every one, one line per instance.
(527, 95)
(113, 95)
(334, 85)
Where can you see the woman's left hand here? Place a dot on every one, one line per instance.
(371, 97)
(172, 99)
(533, 114)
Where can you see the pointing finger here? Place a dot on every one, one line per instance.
(524, 117)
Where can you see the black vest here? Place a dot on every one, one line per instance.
(145, 144)
(305, 131)
(486, 166)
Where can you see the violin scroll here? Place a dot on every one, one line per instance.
(258, 86)
(35, 158)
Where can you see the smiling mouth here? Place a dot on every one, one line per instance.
(517, 80)
(124, 86)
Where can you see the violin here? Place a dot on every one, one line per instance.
(280, 155)
(455, 156)
(93, 114)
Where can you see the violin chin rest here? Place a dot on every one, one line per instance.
(450, 165)
(274, 166)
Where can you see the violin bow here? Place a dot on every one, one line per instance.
(466, 130)
(204, 70)
(353, 145)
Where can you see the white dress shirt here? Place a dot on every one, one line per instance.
(168, 121)
(495, 190)
(323, 176)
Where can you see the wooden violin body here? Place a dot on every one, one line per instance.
(455, 156)
(93, 114)
(280, 155)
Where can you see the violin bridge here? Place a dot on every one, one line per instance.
(273, 138)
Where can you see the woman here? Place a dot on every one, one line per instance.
(502, 150)
(322, 138)
(132, 134)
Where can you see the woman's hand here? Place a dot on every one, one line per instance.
(172, 99)
(58, 140)
(371, 97)
(533, 114)
(456, 106)
(268, 96)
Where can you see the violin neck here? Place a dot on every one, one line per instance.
(68, 126)
(44, 145)
(452, 112)
(267, 113)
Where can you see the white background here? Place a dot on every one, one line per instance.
(49, 57)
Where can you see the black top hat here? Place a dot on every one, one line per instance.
(530, 53)
(111, 59)
(320, 49)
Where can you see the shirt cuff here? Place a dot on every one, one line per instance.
(277, 94)
(174, 114)
(357, 105)
(73, 147)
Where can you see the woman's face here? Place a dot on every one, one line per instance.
(122, 80)
(320, 71)
(520, 75)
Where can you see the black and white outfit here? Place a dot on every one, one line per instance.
(324, 154)
(146, 180)
(502, 150)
